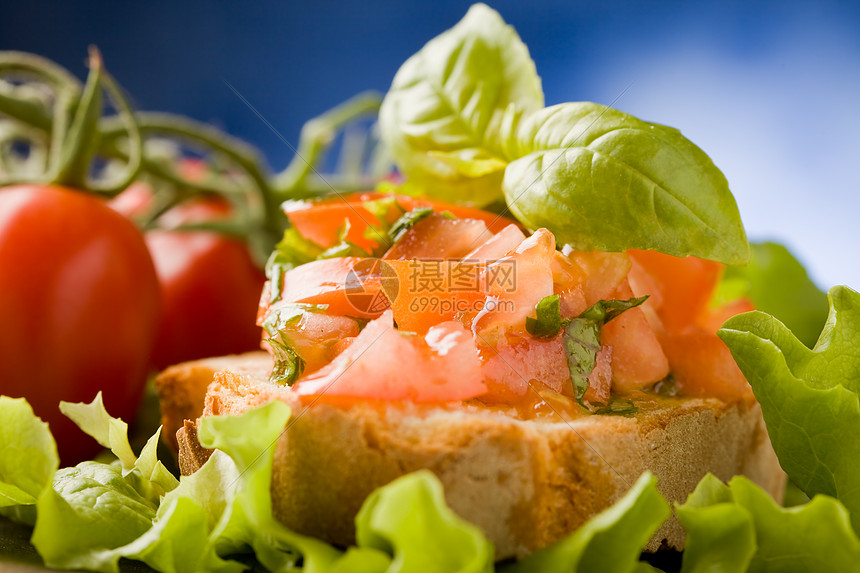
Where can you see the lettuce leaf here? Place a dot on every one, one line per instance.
(809, 398)
(610, 542)
(90, 512)
(146, 471)
(738, 527)
(93, 509)
(409, 520)
(778, 284)
(225, 509)
(28, 459)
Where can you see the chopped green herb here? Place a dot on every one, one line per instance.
(618, 408)
(667, 387)
(381, 209)
(293, 250)
(548, 321)
(344, 247)
(289, 365)
(284, 315)
(407, 221)
(582, 339)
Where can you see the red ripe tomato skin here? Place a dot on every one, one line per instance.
(79, 302)
(210, 286)
(210, 290)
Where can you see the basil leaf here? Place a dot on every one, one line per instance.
(289, 365)
(449, 104)
(548, 321)
(582, 339)
(600, 179)
(407, 221)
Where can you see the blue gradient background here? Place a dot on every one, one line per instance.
(769, 90)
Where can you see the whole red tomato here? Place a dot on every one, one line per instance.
(210, 289)
(210, 286)
(79, 303)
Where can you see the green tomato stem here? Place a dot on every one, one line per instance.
(317, 136)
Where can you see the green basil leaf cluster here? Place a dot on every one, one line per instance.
(449, 104)
(810, 399)
(465, 121)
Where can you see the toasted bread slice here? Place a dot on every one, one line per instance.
(525, 483)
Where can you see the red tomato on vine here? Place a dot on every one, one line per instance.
(210, 285)
(79, 303)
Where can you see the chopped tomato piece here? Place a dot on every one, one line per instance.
(569, 284)
(350, 286)
(322, 221)
(517, 361)
(713, 318)
(637, 357)
(322, 224)
(516, 283)
(497, 246)
(685, 285)
(426, 293)
(703, 366)
(603, 272)
(341, 345)
(437, 237)
(385, 364)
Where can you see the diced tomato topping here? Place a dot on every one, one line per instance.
(426, 293)
(442, 366)
(519, 360)
(703, 366)
(497, 246)
(322, 221)
(437, 237)
(603, 273)
(350, 286)
(637, 357)
(685, 325)
(684, 285)
(322, 224)
(516, 283)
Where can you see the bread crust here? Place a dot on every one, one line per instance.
(526, 484)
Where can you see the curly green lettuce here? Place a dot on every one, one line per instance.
(738, 527)
(809, 398)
